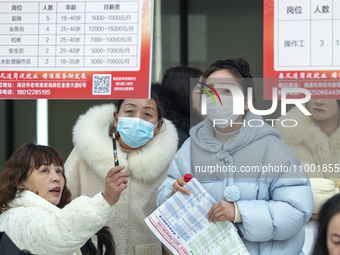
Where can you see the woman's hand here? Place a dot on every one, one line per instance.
(115, 183)
(221, 211)
(179, 186)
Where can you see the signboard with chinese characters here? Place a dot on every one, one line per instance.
(302, 46)
(75, 50)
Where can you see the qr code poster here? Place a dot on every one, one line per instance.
(101, 84)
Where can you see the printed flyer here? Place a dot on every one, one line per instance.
(181, 224)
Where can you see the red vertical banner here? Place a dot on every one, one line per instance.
(75, 50)
(302, 46)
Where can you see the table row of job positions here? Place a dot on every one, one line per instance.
(307, 35)
(76, 34)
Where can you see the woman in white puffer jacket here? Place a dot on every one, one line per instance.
(35, 208)
(316, 141)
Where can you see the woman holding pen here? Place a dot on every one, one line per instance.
(269, 209)
(36, 210)
(146, 145)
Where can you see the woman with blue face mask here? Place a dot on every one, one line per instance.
(146, 145)
(136, 122)
(243, 164)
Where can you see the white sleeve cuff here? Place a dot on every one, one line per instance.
(238, 216)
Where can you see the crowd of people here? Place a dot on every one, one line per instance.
(90, 205)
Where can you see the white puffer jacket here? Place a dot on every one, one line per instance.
(319, 154)
(40, 227)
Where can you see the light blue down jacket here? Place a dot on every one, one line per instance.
(274, 207)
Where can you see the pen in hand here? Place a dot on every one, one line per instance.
(115, 149)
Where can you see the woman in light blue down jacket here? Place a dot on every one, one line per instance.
(269, 209)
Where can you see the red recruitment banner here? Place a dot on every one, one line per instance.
(302, 47)
(75, 50)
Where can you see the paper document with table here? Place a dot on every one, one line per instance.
(181, 224)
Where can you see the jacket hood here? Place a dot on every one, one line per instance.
(93, 143)
(203, 136)
(308, 133)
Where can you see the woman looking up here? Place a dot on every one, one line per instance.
(35, 208)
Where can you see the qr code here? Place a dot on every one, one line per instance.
(101, 84)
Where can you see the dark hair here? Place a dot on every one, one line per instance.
(178, 78)
(105, 239)
(20, 165)
(155, 97)
(238, 67)
(328, 210)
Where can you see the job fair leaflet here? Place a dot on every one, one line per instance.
(181, 224)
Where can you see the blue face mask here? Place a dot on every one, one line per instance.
(135, 132)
